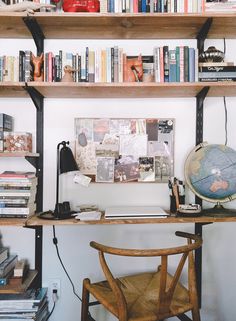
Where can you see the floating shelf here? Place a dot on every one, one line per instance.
(119, 90)
(118, 26)
(19, 154)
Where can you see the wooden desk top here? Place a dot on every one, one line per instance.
(36, 221)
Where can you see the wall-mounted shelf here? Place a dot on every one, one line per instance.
(118, 26)
(119, 90)
(19, 154)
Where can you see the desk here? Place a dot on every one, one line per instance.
(37, 223)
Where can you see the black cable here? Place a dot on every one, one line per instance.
(54, 304)
(55, 242)
(226, 121)
(224, 46)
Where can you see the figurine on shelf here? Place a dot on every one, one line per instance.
(37, 62)
(68, 74)
(27, 6)
(80, 5)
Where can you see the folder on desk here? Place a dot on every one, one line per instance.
(134, 212)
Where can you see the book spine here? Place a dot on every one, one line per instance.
(186, 64)
(161, 65)
(172, 66)
(144, 8)
(135, 6)
(191, 65)
(166, 63)
(116, 64)
(218, 74)
(177, 64)
(91, 66)
(112, 64)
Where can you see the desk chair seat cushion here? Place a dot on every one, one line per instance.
(141, 292)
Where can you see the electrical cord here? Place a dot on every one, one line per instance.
(226, 121)
(54, 304)
(224, 46)
(55, 242)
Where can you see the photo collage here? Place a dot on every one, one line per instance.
(112, 150)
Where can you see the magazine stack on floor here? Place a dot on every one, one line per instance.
(17, 194)
(30, 305)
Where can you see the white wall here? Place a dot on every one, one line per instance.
(218, 262)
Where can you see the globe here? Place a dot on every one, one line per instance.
(210, 172)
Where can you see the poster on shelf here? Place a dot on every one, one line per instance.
(124, 150)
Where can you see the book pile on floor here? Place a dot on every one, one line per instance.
(30, 305)
(17, 194)
(217, 71)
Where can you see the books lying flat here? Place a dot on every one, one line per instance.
(134, 212)
(7, 265)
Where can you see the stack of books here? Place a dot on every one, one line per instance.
(227, 6)
(17, 194)
(7, 265)
(217, 71)
(30, 305)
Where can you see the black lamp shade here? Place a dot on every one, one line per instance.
(67, 161)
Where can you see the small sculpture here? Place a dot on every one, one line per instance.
(27, 6)
(80, 5)
(211, 55)
(37, 62)
(68, 76)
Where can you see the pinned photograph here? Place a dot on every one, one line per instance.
(107, 150)
(146, 169)
(100, 128)
(133, 145)
(105, 170)
(126, 169)
(164, 168)
(84, 126)
(86, 158)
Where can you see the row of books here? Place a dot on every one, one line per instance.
(17, 194)
(151, 6)
(113, 65)
(220, 6)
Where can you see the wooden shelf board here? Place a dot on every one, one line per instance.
(119, 90)
(12, 221)
(19, 154)
(7, 289)
(118, 26)
(13, 26)
(13, 90)
(135, 26)
(133, 90)
(35, 221)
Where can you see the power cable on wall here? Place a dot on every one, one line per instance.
(226, 121)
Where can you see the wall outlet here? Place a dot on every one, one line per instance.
(54, 284)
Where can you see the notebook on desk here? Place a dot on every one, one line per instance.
(134, 212)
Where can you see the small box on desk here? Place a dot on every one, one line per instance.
(6, 122)
(17, 142)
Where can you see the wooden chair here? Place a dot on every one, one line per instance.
(149, 296)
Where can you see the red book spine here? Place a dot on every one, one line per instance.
(161, 65)
(135, 6)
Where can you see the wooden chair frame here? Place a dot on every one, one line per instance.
(165, 292)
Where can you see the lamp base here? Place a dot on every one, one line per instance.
(50, 215)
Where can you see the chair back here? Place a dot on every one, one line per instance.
(166, 288)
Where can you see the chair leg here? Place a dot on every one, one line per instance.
(196, 314)
(85, 301)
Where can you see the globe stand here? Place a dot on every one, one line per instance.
(219, 211)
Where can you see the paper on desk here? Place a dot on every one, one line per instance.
(88, 216)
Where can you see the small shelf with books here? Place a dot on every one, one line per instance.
(13, 289)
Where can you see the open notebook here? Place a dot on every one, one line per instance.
(134, 212)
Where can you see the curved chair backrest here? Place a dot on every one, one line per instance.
(166, 291)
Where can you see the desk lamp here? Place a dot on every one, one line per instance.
(65, 163)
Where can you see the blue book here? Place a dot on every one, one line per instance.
(177, 64)
(191, 65)
(172, 66)
(144, 7)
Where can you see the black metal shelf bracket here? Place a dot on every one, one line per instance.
(36, 33)
(201, 36)
(38, 253)
(32, 160)
(199, 114)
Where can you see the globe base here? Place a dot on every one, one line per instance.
(219, 211)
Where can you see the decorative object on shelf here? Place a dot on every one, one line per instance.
(209, 172)
(211, 55)
(37, 62)
(80, 5)
(17, 142)
(68, 77)
(28, 6)
(133, 69)
(65, 163)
